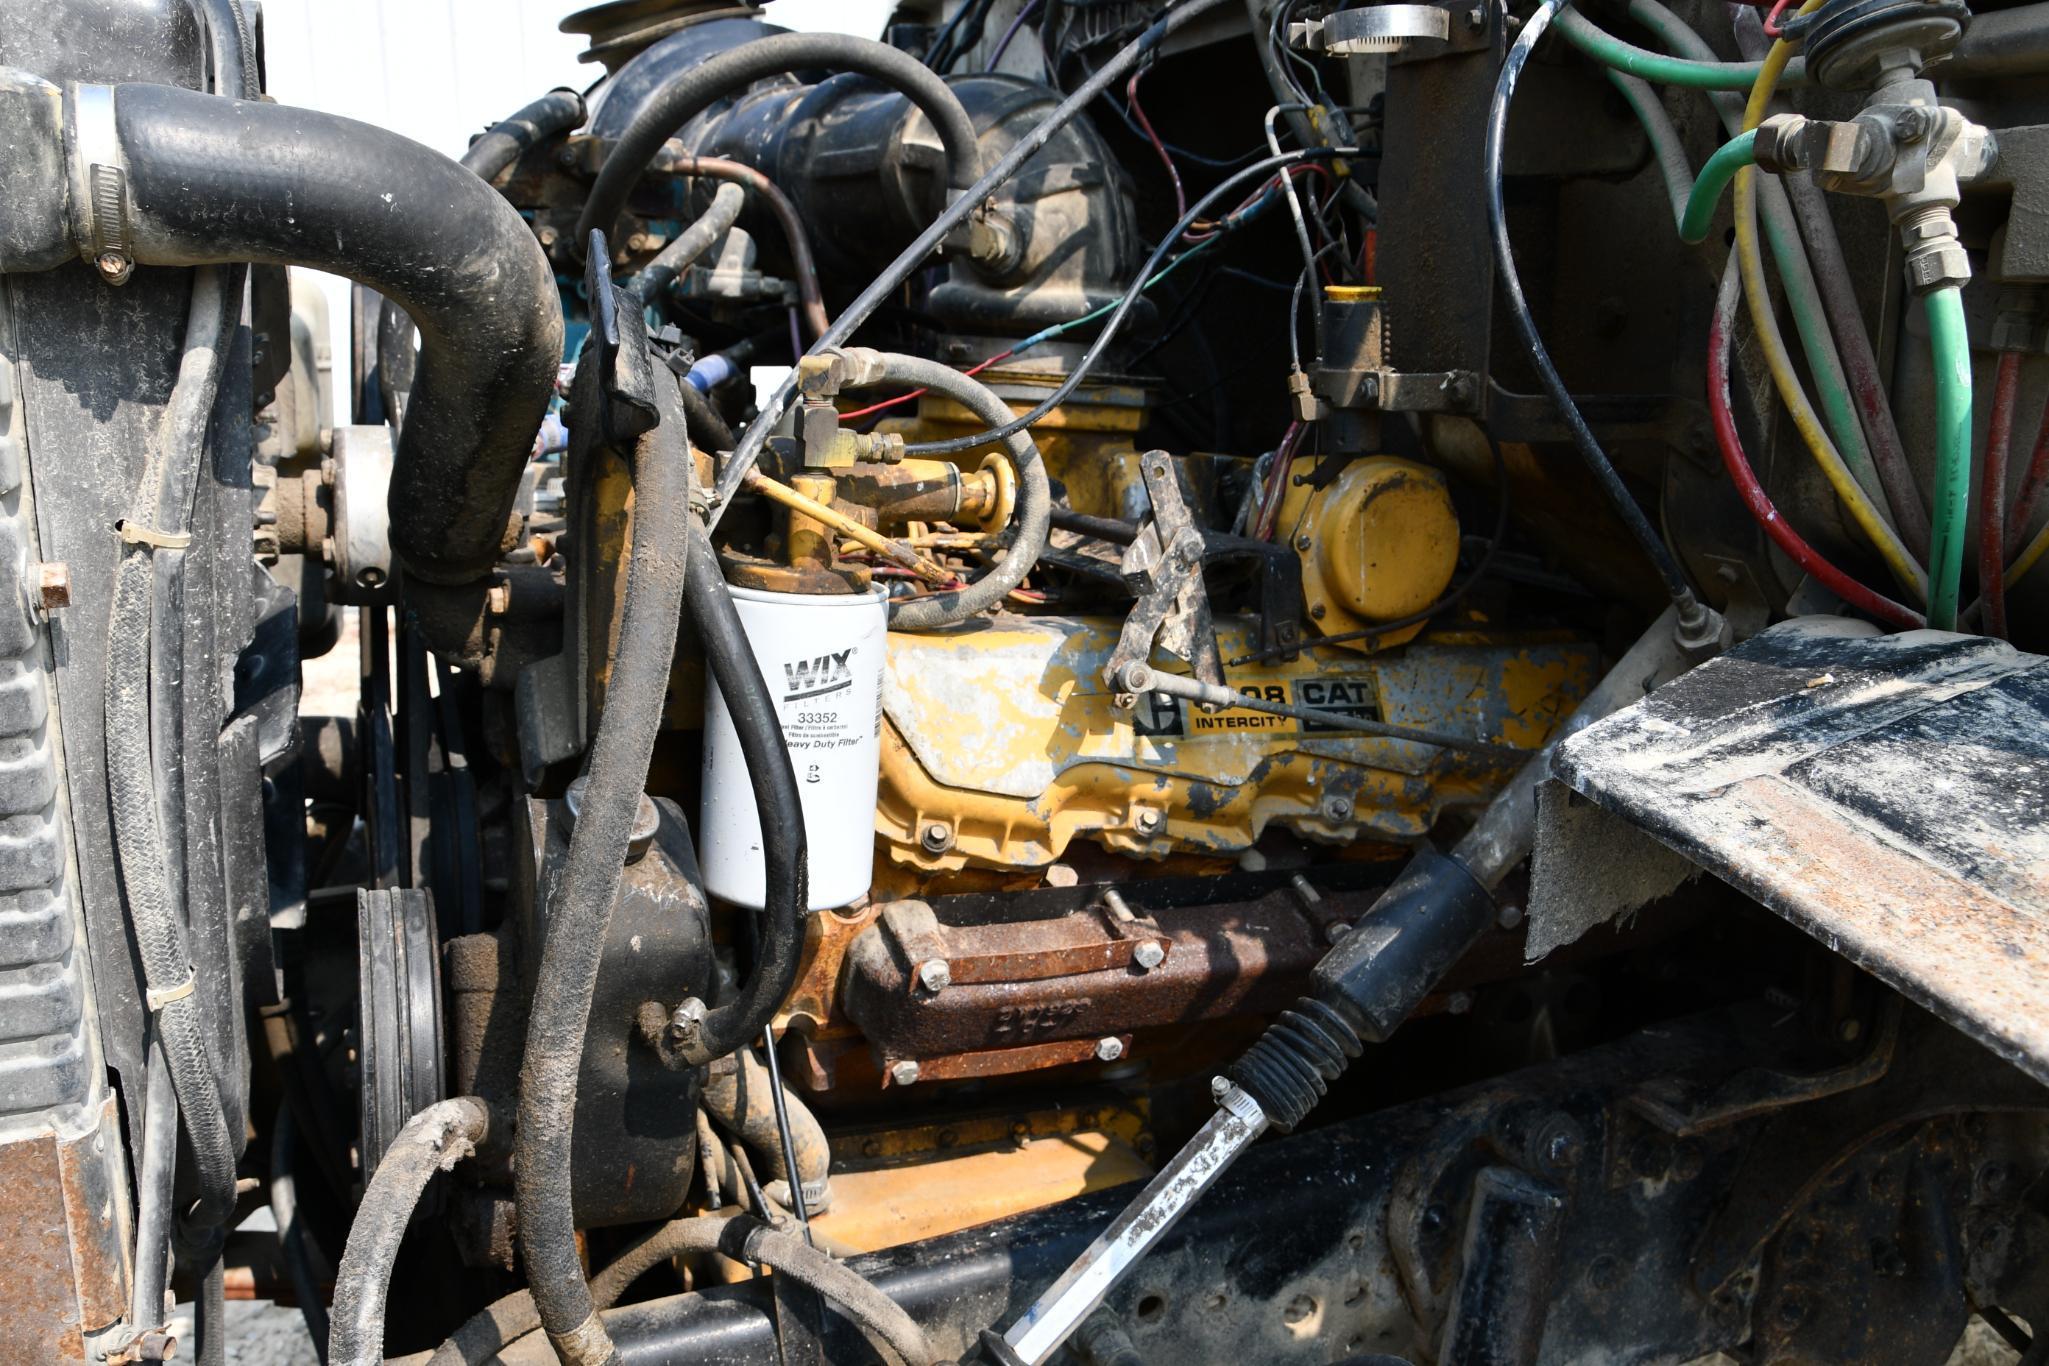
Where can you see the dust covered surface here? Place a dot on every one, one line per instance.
(1885, 793)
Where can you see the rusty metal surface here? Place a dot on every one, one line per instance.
(1003, 1062)
(62, 1229)
(1220, 960)
(1885, 794)
(1094, 940)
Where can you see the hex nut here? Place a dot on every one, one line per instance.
(686, 1018)
(903, 1073)
(1149, 954)
(934, 975)
(53, 586)
(1110, 1049)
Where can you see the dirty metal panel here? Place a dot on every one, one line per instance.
(1885, 794)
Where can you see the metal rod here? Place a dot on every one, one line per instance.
(1139, 678)
(1084, 1285)
(848, 527)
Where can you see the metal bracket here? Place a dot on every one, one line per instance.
(1163, 566)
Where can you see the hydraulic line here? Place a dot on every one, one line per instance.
(810, 300)
(785, 849)
(1080, 369)
(1693, 616)
(432, 1141)
(1992, 495)
(1701, 202)
(884, 287)
(1034, 499)
(494, 1328)
(581, 900)
(688, 245)
(1666, 149)
(1720, 339)
(1858, 362)
(1696, 219)
(155, 1180)
(1950, 348)
(697, 88)
(2022, 510)
(1659, 69)
(172, 462)
(1750, 254)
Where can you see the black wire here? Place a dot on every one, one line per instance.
(1595, 459)
(1123, 309)
(1451, 598)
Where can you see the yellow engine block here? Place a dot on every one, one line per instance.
(1001, 744)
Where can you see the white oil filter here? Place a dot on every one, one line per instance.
(821, 656)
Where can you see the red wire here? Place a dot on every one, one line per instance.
(2023, 509)
(1992, 495)
(1771, 21)
(1166, 158)
(875, 408)
(1756, 499)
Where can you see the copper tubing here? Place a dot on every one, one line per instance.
(719, 168)
(846, 526)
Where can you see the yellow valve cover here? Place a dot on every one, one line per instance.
(1001, 744)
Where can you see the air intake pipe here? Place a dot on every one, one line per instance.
(155, 175)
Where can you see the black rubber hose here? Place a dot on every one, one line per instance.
(157, 923)
(707, 428)
(293, 1239)
(210, 1321)
(784, 849)
(232, 47)
(212, 179)
(431, 1141)
(918, 254)
(1691, 613)
(580, 903)
(496, 1327)
(489, 156)
(1034, 499)
(155, 1179)
(681, 253)
(697, 88)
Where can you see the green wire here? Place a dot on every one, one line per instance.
(1609, 50)
(1721, 168)
(1046, 334)
(1951, 346)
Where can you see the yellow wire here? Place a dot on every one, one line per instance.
(2028, 557)
(1750, 259)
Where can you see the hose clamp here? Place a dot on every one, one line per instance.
(97, 148)
(157, 1000)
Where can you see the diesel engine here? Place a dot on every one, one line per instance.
(1095, 681)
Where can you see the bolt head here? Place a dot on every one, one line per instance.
(1476, 18)
(1303, 542)
(53, 587)
(1147, 822)
(1219, 1087)
(1149, 954)
(1336, 930)
(1338, 808)
(114, 267)
(1109, 1050)
(903, 1073)
(937, 837)
(934, 975)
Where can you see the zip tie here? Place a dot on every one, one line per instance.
(157, 1000)
(131, 534)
